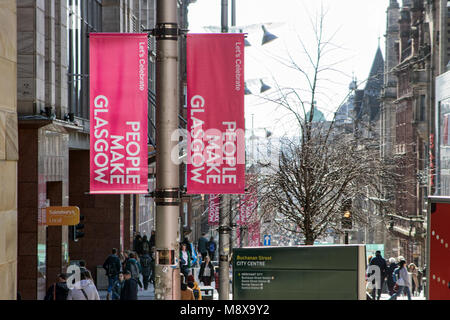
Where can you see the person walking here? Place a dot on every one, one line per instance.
(379, 261)
(194, 256)
(145, 245)
(389, 274)
(202, 247)
(124, 259)
(130, 287)
(146, 262)
(117, 287)
(135, 268)
(137, 242)
(211, 248)
(112, 267)
(206, 273)
(152, 266)
(152, 239)
(85, 289)
(185, 260)
(402, 280)
(58, 290)
(414, 277)
(186, 292)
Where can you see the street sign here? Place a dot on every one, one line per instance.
(298, 273)
(62, 216)
(267, 240)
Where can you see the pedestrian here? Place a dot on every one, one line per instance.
(58, 290)
(82, 265)
(112, 267)
(194, 256)
(420, 279)
(414, 277)
(137, 243)
(201, 244)
(195, 288)
(211, 248)
(206, 273)
(145, 245)
(118, 286)
(152, 240)
(130, 287)
(186, 292)
(122, 259)
(188, 244)
(185, 260)
(85, 289)
(379, 261)
(402, 281)
(389, 273)
(135, 268)
(152, 266)
(145, 262)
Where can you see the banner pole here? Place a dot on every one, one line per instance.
(167, 193)
(224, 213)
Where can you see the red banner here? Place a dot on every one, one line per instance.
(216, 127)
(248, 214)
(213, 216)
(439, 252)
(118, 113)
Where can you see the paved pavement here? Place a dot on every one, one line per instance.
(385, 296)
(149, 294)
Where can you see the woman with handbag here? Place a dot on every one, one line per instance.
(206, 274)
(402, 281)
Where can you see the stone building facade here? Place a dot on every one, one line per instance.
(417, 46)
(53, 137)
(8, 150)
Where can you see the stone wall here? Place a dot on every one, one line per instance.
(8, 150)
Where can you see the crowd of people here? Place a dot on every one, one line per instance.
(125, 270)
(192, 257)
(398, 276)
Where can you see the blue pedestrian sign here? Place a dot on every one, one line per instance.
(267, 240)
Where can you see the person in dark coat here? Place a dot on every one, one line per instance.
(135, 268)
(145, 245)
(202, 246)
(390, 280)
(58, 290)
(112, 267)
(379, 261)
(137, 244)
(146, 264)
(117, 287)
(206, 273)
(130, 288)
(212, 246)
(152, 239)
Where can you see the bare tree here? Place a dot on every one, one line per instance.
(322, 168)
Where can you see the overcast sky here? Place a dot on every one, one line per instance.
(358, 25)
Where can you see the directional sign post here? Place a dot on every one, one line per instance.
(62, 216)
(267, 240)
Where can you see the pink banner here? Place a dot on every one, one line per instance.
(215, 108)
(248, 214)
(118, 113)
(213, 216)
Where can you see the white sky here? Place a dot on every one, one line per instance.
(359, 25)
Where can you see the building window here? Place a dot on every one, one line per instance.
(422, 109)
(85, 16)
